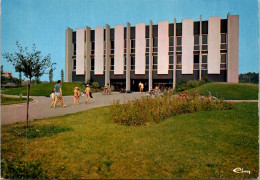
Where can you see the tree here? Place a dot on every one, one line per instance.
(51, 72)
(250, 77)
(2, 69)
(20, 78)
(32, 64)
(62, 75)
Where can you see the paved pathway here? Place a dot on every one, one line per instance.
(41, 107)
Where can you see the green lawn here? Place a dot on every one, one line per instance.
(44, 89)
(233, 91)
(89, 145)
(13, 100)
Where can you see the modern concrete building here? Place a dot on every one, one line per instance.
(160, 54)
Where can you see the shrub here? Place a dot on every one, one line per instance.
(141, 112)
(3, 99)
(18, 169)
(184, 85)
(95, 84)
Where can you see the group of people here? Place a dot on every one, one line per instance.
(107, 90)
(56, 95)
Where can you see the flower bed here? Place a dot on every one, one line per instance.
(141, 112)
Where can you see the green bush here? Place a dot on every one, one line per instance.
(95, 85)
(3, 99)
(140, 112)
(18, 169)
(184, 85)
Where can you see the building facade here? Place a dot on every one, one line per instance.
(161, 54)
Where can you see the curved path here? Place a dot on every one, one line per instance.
(40, 108)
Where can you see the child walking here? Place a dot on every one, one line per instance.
(52, 98)
(76, 95)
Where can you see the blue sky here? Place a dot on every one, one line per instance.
(44, 22)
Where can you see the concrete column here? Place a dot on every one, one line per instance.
(150, 83)
(128, 58)
(68, 55)
(88, 53)
(233, 44)
(108, 53)
(174, 55)
(200, 42)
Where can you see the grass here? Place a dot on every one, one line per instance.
(232, 91)
(197, 145)
(45, 89)
(13, 100)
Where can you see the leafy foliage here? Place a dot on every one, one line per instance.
(250, 77)
(5, 80)
(62, 75)
(32, 64)
(18, 169)
(184, 85)
(95, 84)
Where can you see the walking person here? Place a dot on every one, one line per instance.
(58, 94)
(76, 95)
(52, 98)
(88, 91)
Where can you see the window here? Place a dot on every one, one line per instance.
(147, 45)
(196, 42)
(132, 46)
(171, 62)
(204, 42)
(112, 64)
(92, 64)
(178, 65)
(147, 62)
(223, 61)
(171, 44)
(223, 45)
(196, 60)
(92, 47)
(223, 58)
(112, 47)
(132, 62)
(74, 64)
(204, 59)
(204, 62)
(125, 44)
(179, 43)
(155, 62)
(74, 49)
(155, 44)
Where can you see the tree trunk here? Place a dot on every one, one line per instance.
(28, 95)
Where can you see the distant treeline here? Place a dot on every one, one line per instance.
(250, 77)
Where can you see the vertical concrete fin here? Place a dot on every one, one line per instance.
(99, 51)
(233, 46)
(128, 58)
(214, 45)
(68, 55)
